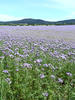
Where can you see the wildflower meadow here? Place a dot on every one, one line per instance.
(37, 63)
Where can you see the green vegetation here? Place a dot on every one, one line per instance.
(37, 72)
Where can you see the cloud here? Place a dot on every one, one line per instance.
(4, 17)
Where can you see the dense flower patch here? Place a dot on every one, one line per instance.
(36, 69)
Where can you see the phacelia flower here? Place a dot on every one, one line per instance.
(5, 71)
(52, 76)
(27, 65)
(68, 73)
(42, 75)
(45, 65)
(60, 80)
(45, 94)
(8, 80)
(38, 61)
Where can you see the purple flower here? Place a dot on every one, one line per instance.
(12, 56)
(45, 65)
(17, 69)
(38, 61)
(60, 80)
(5, 71)
(42, 75)
(68, 73)
(42, 69)
(8, 80)
(27, 65)
(2, 57)
(52, 76)
(63, 56)
(45, 94)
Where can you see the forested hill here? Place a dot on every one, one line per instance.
(38, 22)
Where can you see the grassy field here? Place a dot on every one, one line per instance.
(37, 63)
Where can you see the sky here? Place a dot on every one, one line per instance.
(50, 10)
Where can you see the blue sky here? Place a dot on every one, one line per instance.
(52, 10)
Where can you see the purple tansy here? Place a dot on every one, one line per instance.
(27, 65)
(52, 76)
(17, 69)
(8, 80)
(45, 94)
(45, 65)
(5, 71)
(38, 61)
(42, 75)
(2, 57)
(60, 80)
(63, 56)
(68, 73)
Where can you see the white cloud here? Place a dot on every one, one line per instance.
(4, 17)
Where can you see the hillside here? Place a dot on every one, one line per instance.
(38, 22)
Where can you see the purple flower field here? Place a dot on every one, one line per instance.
(66, 33)
(37, 62)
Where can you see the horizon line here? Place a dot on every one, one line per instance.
(38, 19)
